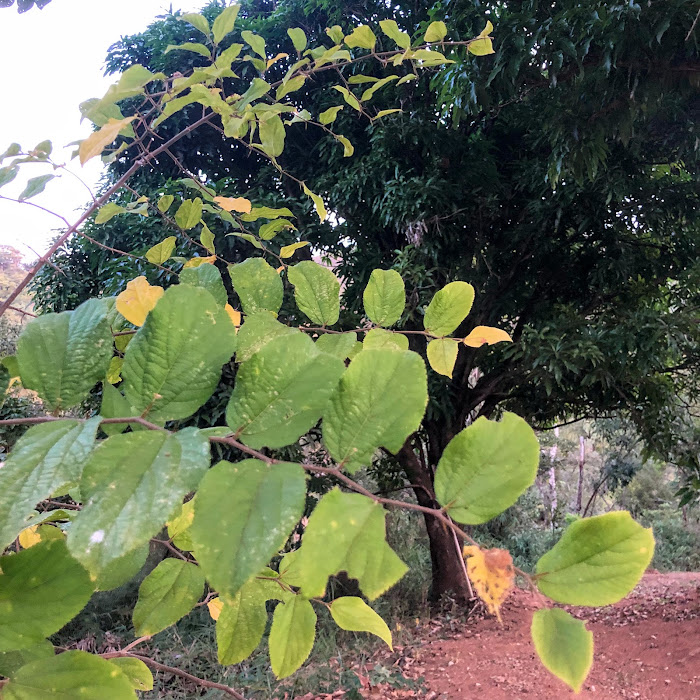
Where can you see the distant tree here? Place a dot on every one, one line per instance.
(24, 5)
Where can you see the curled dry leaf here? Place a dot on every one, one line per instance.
(491, 571)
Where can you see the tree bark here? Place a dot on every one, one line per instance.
(447, 566)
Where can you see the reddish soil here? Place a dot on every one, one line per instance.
(646, 647)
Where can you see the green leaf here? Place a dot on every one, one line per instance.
(114, 405)
(197, 21)
(291, 85)
(258, 286)
(348, 97)
(41, 589)
(318, 203)
(243, 514)
(257, 89)
(364, 413)
(378, 85)
(35, 185)
(286, 251)
(136, 671)
(486, 467)
(448, 308)
(161, 252)
(12, 661)
(355, 615)
(73, 674)
(173, 364)
(355, 526)
(256, 42)
(379, 338)
(481, 47)
(258, 330)
(335, 33)
(338, 344)
(272, 135)
(362, 37)
(206, 276)
(442, 355)
(224, 23)
(598, 560)
(241, 623)
(46, 461)
(108, 211)
(291, 636)
(179, 525)
(348, 148)
(206, 238)
(9, 362)
(281, 391)
(122, 570)
(8, 174)
(317, 291)
(437, 31)
(385, 112)
(298, 38)
(62, 356)
(167, 594)
(164, 203)
(155, 470)
(329, 115)
(391, 29)
(266, 213)
(384, 297)
(189, 214)
(201, 49)
(564, 645)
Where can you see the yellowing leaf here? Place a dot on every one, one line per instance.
(482, 45)
(196, 262)
(491, 571)
(234, 315)
(437, 31)
(94, 144)
(29, 537)
(486, 335)
(286, 251)
(215, 605)
(114, 370)
(279, 56)
(442, 355)
(348, 148)
(137, 300)
(318, 203)
(239, 204)
(206, 238)
(160, 252)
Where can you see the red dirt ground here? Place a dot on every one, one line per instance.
(646, 647)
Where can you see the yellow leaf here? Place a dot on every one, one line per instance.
(137, 300)
(29, 537)
(94, 144)
(279, 269)
(481, 46)
(486, 335)
(114, 370)
(215, 606)
(487, 29)
(491, 571)
(239, 204)
(196, 262)
(286, 251)
(234, 315)
(270, 61)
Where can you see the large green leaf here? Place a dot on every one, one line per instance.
(46, 461)
(598, 560)
(41, 589)
(136, 671)
(243, 514)
(73, 674)
(380, 401)
(257, 330)
(208, 277)
(12, 661)
(131, 485)
(486, 467)
(564, 645)
(173, 364)
(167, 594)
(353, 614)
(223, 24)
(258, 286)
(355, 526)
(338, 344)
(291, 636)
(62, 356)
(379, 338)
(317, 291)
(448, 308)
(243, 619)
(272, 135)
(384, 297)
(281, 391)
(120, 571)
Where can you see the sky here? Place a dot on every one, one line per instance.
(51, 60)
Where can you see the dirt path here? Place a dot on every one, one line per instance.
(646, 647)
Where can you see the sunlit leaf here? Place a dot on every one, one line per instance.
(384, 297)
(258, 286)
(224, 23)
(298, 38)
(442, 355)
(355, 615)
(238, 204)
(448, 308)
(391, 29)
(94, 144)
(158, 254)
(362, 37)
(107, 212)
(437, 31)
(291, 636)
(316, 291)
(287, 251)
(138, 299)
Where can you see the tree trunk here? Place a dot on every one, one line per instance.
(447, 564)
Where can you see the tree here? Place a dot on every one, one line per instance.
(158, 356)
(558, 176)
(24, 5)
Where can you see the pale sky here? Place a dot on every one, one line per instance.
(50, 61)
